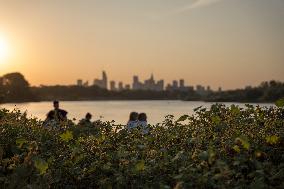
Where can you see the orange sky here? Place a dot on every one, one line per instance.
(229, 43)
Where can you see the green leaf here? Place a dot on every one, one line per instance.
(204, 155)
(244, 142)
(272, 139)
(20, 142)
(216, 120)
(182, 118)
(140, 165)
(101, 138)
(196, 109)
(41, 165)
(236, 148)
(246, 145)
(235, 110)
(67, 136)
(280, 103)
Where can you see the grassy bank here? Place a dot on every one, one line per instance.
(223, 147)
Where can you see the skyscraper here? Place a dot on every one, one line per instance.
(103, 82)
(120, 86)
(160, 85)
(175, 84)
(80, 82)
(112, 86)
(136, 85)
(181, 83)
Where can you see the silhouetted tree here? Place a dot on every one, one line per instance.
(2, 91)
(15, 87)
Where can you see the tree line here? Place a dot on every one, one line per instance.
(15, 88)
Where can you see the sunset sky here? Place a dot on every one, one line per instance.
(228, 43)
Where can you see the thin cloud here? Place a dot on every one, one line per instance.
(195, 5)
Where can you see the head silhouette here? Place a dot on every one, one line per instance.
(142, 117)
(56, 104)
(88, 116)
(133, 116)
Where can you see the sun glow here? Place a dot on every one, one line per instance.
(4, 49)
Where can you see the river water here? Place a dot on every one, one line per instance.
(119, 111)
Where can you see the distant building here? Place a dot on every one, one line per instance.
(127, 87)
(136, 85)
(80, 82)
(208, 89)
(86, 84)
(181, 83)
(168, 87)
(200, 90)
(175, 85)
(120, 86)
(112, 86)
(160, 85)
(102, 83)
(149, 84)
(182, 86)
(190, 88)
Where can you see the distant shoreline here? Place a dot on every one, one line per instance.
(99, 100)
(16, 89)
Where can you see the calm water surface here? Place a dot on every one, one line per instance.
(116, 110)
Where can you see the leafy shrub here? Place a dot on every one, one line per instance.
(223, 147)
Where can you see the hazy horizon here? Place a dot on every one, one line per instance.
(227, 43)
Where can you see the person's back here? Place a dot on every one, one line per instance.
(86, 127)
(57, 114)
(86, 121)
(142, 123)
(133, 120)
(49, 122)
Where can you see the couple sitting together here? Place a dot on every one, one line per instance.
(138, 121)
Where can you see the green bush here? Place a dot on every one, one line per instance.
(224, 147)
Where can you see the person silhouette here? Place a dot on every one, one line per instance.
(142, 123)
(86, 120)
(133, 120)
(57, 114)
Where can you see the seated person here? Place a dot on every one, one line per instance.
(87, 127)
(142, 123)
(133, 120)
(86, 121)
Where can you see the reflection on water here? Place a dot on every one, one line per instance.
(116, 110)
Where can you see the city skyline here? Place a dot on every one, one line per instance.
(228, 43)
(148, 84)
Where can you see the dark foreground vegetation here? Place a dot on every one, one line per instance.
(15, 88)
(224, 147)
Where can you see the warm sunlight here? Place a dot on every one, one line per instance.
(4, 49)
